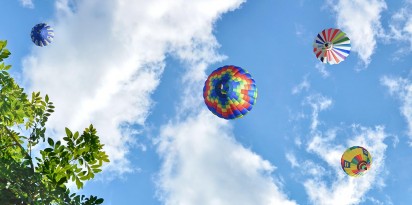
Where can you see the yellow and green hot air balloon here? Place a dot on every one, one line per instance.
(356, 161)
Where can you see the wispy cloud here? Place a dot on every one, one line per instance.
(304, 85)
(400, 29)
(360, 20)
(318, 103)
(345, 189)
(303, 34)
(27, 3)
(321, 67)
(386, 201)
(292, 159)
(402, 89)
(401, 24)
(330, 180)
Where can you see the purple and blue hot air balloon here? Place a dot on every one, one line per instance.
(42, 34)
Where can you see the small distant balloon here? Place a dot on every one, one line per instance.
(230, 92)
(356, 161)
(42, 34)
(331, 46)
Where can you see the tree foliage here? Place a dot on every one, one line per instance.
(41, 180)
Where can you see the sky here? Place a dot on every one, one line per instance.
(135, 69)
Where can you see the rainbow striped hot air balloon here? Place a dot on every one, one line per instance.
(331, 46)
(230, 92)
(356, 161)
(42, 34)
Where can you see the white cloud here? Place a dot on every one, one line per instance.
(400, 29)
(313, 169)
(395, 141)
(27, 3)
(304, 85)
(298, 141)
(344, 189)
(330, 180)
(203, 164)
(402, 89)
(303, 34)
(318, 103)
(388, 200)
(201, 161)
(360, 20)
(292, 159)
(321, 67)
(107, 59)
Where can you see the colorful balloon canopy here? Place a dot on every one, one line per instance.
(230, 92)
(356, 161)
(331, 46)
(42, 34)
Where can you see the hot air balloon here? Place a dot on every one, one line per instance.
(331, 46)
(230, 92)
(356, 161)
(42, 34)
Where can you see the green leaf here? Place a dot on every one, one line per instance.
(79, 184)
(99, 201)
(3, 44)
(84, 178)
(95, 166)
(48, 150)
(50, 141)
(76, 135)
(58, 143)
(97, 170)
(68, 132)
(62, 180)
(82, 173)
(46, 98)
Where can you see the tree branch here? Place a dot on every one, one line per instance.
(21, 147)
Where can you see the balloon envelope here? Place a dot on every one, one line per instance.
(42, 34)
(356, 161)
(230, 92)
(331, 46)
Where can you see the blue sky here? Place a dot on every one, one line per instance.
(135, 69)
